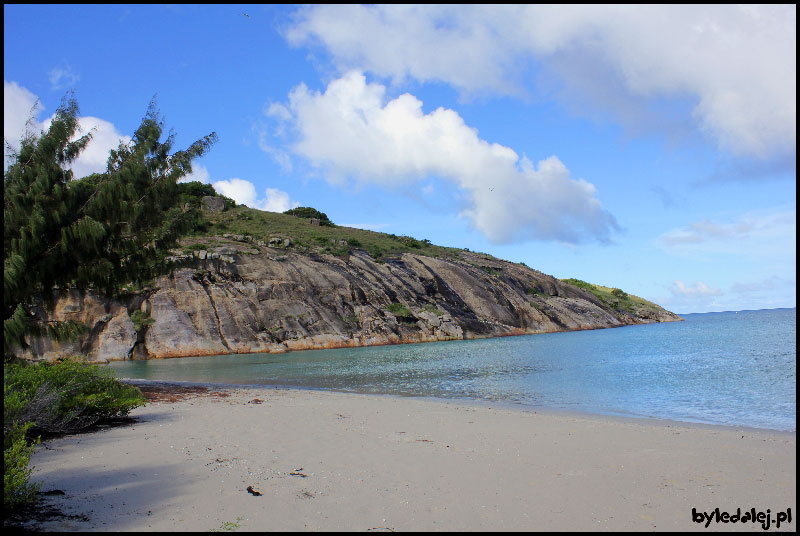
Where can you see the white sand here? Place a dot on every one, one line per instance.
(384, 463)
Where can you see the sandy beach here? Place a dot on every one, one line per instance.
(325, 461)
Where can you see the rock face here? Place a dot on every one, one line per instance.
(274, 300)
(212, 203)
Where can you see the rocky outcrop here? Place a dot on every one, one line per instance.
(239, 299)
(213, 203)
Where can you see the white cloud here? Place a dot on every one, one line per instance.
(752, 258)
(199, 173)
(766, 285)
(244, 193)
(240, 190)
(766, 293)
(350, 131)
(735, 64)
(281, 157)
(699, 289)
(454, 44)
(754, 233)
(17, 120)
(277, 201)
(18, 109)
(94, 157)
(61, 77)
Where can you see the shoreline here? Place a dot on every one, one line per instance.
(489, 404)
(324, 460)
(308, 344)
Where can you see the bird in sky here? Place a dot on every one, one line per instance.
(246, 15)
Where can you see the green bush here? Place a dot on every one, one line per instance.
(432, 309)
(619, 293)
(229, 203)
(410, 242)
(376, 252)
(63, 397)
(53, 398)
(535, 291)
(195, 191)
(580, 284)
(141, 320)
(401, 312)
(310, 212)
(17, 487)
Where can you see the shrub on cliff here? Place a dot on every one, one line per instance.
(309, 212)
(402, 313)
(194, 191)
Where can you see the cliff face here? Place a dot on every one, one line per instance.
(268, 299)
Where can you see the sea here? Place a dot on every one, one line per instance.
(731, 368)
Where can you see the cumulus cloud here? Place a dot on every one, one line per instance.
(277, 201)
(18, 120)
(736, 65)
(244, 193)
(351, 130)
(199, 173)
(20, 109)
(105, 137)
(240, 190)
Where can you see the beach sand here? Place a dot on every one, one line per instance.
(346, 462)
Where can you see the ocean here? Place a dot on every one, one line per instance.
(732, 368)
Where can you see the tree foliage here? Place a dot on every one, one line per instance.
(310, 212)
(101, 231)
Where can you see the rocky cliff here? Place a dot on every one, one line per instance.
(244, 296)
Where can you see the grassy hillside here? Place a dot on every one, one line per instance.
(307, 238)
(614, 298)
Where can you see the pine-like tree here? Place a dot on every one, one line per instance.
(101, 232)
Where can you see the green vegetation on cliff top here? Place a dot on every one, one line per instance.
(308, 238)
(614, 298)
(340, 241)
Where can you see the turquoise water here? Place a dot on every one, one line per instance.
(717, 368)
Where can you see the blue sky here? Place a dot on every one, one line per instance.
(647, 148)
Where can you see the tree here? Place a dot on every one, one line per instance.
(100, 231)
(310, 212)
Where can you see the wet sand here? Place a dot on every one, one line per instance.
(247, 459)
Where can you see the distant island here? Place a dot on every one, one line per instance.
(252, 281)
